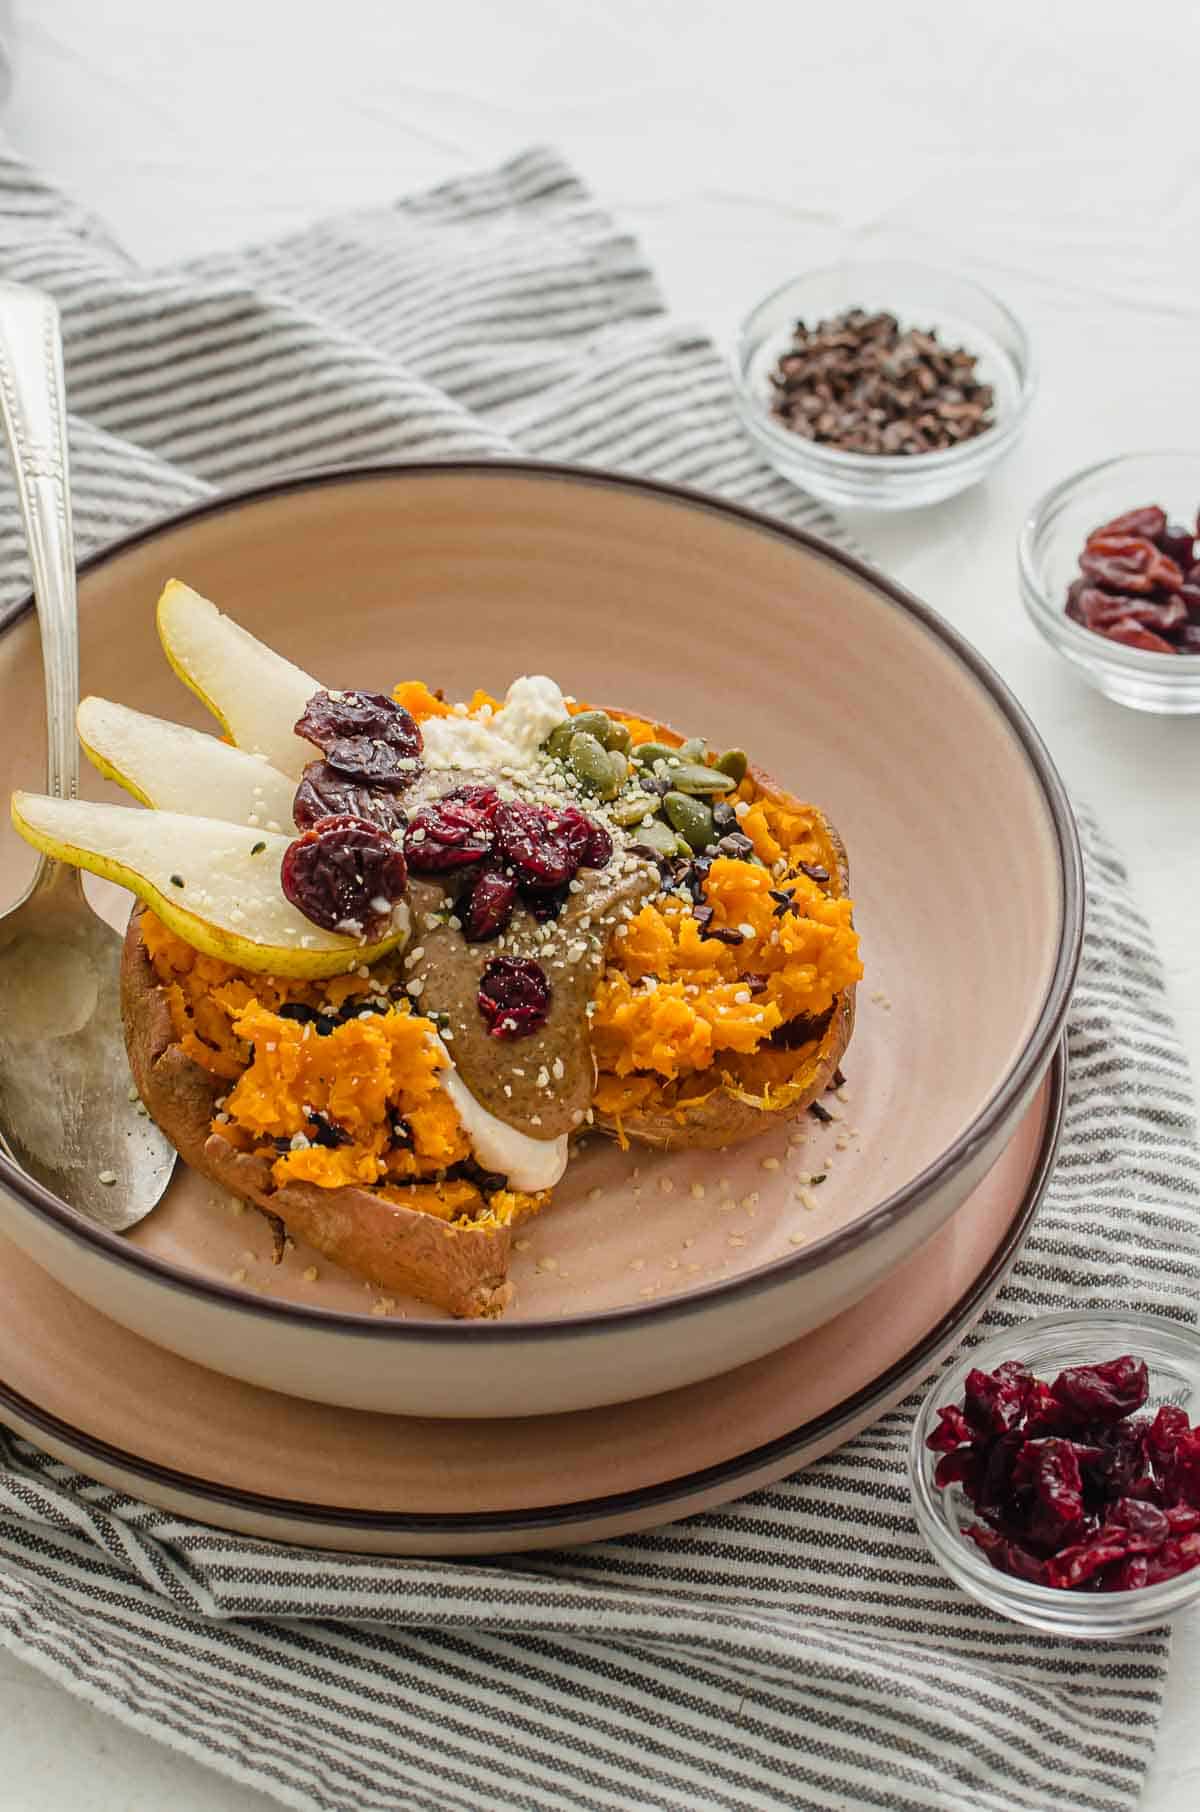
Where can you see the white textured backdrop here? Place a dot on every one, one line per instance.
(1051, 149)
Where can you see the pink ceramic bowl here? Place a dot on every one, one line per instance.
(651, 1271)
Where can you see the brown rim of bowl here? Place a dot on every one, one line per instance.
(908, 1368)
(1025, 1072)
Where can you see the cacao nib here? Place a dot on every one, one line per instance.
(514, 996)
(345, 875)
(800, 1030)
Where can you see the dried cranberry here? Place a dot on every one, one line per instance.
(1183, 1519)
(1052, 1469)
(588, 842)
(514, 996)
(331, 717)
(952, 1430)
(1144, 1519)
(1071, 1566)
(524, 839)
(451, 832)
(324, 793)
(488, 907)
(1148, 521)
(995, 1401)
(545, 903)
(1168, 1428)
(345, 875)
(1009, 1556)
(1103, 1393)
(1177, 542)
(1183, 1469)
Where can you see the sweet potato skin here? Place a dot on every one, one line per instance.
(721, 1118)
(459, 1268)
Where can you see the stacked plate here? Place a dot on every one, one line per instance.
(687, 1325)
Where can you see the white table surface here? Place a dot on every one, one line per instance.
(1051, 149)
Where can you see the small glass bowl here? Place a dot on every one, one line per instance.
(964, 314)
(1172, 1353)
(1048, 559)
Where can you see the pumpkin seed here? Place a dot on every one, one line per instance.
(691, 818)
(618, 767)
(593, 723)
(588, 761)
(628, 812)
(734, 763)
(694, 749)
(661, 840)
(695, 777)
(559, 740)
(647, 753)
(618, 737)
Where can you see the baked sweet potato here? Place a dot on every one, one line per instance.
(738, 1098)
(459, 1266)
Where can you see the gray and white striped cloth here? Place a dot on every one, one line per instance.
(797, 1649)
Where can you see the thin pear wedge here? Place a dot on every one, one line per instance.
(215, 884)
(255, 695)
(179, 770)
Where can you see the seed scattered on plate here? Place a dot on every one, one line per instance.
(698, 1191)
(310, 1275)
(595, 1194)
(238, 1276)
(735, 1239)
(768, 1163)
(666, 1186)
(637, 1264)
(107, 1177)
(547, 1264)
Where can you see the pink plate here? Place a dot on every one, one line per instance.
(203, 1445)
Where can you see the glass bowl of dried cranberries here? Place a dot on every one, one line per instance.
(883, 383)
(1109, 564)
(1055, 1472)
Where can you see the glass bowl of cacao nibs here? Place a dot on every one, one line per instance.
(883, 384)
(1109, 565)
(1055, 1472)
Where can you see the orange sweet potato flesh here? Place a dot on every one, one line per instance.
(737, 1098)
(459, 1267)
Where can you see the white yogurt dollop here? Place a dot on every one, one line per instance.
(511, 738)
(530, 1164)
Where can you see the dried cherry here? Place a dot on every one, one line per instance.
(514, 996)
(523, 839)
(1178, 543)
(1148, 521)
(346, 875)
(1128, 563)
(1132, 635)
(324, 793)
(331, 717)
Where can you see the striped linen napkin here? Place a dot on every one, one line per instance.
(797, 1649)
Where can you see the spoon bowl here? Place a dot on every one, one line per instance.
(68, 1114)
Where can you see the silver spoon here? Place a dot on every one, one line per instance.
(65, 1111)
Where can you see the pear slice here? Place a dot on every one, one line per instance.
(254, 694)
(215, 884)
(177, 770)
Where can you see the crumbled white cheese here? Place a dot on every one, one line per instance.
(532, 707)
